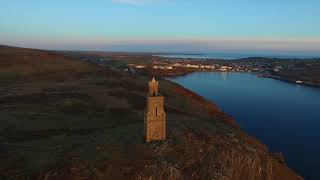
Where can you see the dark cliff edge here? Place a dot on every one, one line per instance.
(66, 119)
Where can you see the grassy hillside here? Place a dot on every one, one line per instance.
(66, 119)
(21, 64)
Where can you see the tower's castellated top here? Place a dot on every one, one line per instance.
(153, 87)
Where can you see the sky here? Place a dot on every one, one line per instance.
(291, 26)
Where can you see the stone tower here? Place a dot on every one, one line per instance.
(155, 118)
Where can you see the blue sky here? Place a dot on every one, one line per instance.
(163, 25)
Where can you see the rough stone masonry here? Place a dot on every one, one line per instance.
(155, 119)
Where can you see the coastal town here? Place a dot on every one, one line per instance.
(252, 65)
(193, 65)
(299, 71)
(291, 70)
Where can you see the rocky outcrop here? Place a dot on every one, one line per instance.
(198, 155)
(209, 157)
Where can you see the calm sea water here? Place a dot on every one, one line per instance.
(284, 116)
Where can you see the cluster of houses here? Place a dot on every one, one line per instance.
(212, 67)
(259, 67)
(197, 66)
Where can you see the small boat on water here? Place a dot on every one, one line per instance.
(299, 82)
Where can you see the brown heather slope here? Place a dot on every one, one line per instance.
(27, 63)
(66, 119)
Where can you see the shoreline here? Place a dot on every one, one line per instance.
(208, 105)
(213, 109)
(260, 75)
(253, 135)
(216, 111)
(291, 81)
